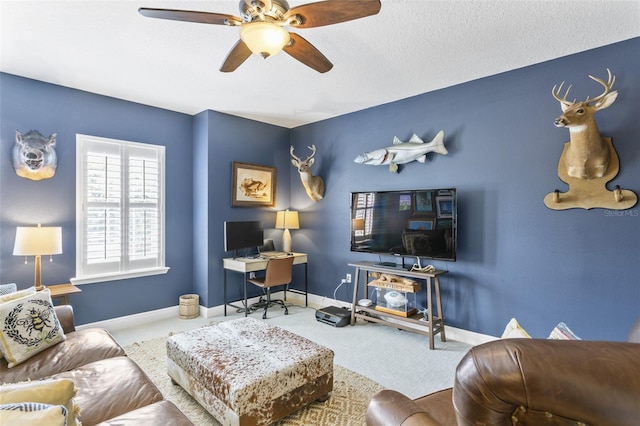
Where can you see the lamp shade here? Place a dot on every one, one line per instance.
(357, 224)
(287, 220)
(40, 240)
(264, 38)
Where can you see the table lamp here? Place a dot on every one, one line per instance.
(38, 241)
(287, 220)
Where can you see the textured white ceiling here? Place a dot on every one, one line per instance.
(410, 47)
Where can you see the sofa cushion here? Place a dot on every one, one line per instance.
(28, 325)
(81, 347)
(109, 388)
(33, 414)
(53, 392)
(158, 413)
(389, 407)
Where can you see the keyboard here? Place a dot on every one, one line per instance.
(272, 254)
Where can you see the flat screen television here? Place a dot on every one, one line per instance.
(243, 238)
(412, 223)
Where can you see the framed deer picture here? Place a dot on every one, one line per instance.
(253, 185)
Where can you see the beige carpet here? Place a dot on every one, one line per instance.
(346, 406)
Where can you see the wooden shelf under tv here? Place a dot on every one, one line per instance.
(433, 325)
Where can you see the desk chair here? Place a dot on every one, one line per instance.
(278, 272)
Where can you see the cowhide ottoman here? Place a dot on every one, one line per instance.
(246, 372)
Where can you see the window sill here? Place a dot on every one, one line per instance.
(119, 276)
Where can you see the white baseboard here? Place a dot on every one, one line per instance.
(315, 301)
(468, 337)
(135, 319)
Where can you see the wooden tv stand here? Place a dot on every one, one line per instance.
(431, 327)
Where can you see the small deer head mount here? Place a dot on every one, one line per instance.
(587, 155)
(314, 185)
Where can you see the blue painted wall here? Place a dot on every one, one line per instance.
(27, 104)
(230, 139)
(516, 257)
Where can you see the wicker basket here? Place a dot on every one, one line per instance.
(189, 306)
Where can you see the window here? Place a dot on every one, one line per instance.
(119, 209)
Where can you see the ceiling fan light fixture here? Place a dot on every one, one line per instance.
(264, 38)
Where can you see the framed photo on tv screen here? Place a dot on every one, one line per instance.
(444, 206)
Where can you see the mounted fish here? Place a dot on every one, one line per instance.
(403, 152)
(34, 156)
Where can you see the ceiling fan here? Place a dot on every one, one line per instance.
(262, 27)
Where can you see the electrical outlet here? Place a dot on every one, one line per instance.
(348, 278)
(252, 275)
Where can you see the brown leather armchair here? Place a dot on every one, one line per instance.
(529, 382)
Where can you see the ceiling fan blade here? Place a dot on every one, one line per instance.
(236, 57)
(332, 12)
(306, 53)
(191, 16)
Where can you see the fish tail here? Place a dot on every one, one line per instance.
(437, 144)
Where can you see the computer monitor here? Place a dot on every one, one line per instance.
(243, 237)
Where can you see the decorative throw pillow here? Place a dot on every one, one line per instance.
(33, 414)
(563, 332)
(514, 330)
(11, 296)
(17, 295)
(28, 326)
(47, 391)
(8, 288)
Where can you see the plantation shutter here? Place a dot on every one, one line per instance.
(143, 207)
(121, 217)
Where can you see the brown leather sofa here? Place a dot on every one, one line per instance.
(111, 388)
(529, 382)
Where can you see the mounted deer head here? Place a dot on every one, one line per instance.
(314, 185)
(587, 154)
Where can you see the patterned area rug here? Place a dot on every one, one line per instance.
(346, 405)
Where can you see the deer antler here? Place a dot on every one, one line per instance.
(556, 94)
(291, 152)
(313, 152)
(607, 86)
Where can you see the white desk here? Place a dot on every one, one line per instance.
(246, 265)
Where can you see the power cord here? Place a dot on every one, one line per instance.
(343, 281)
